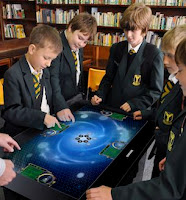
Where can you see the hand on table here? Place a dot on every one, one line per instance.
(162, 164)
(51, 121)
(126, 107)
(99, 193)
(8, 174)
(96, 100)
(8, 143)
(66, 115)
(137, 115)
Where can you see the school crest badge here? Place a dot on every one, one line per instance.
(171, 141)
(136, 80)
(168, 118)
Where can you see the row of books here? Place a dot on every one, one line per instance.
(163, 2)
(14, 31)
(116, 2)
(161, 22)
(108, 18)
(153, 38)
(57, 16)
(13, 11)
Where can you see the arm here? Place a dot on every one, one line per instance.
(153, 89)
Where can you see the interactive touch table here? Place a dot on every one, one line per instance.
(62, 163)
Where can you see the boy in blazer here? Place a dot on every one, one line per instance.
(170, 102)
(67, 68)
(171, 184)
(134, 74)
(27, 88)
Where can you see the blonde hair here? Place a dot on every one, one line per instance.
(44, 35)
(136, 16)
(180, 55)
(172, 38)
(85, 23)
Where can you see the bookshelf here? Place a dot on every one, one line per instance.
(17, 18)
(165, 17)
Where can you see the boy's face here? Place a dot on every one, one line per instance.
(169, 61)
(40, 58)
(181, 77)
(134, 37)
(77, 39)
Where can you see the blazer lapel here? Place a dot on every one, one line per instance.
(27, 77)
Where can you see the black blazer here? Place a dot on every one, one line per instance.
(171, 184)
(118, 87)
(63, 76)
(19, 94)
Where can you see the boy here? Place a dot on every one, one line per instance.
(171, 184)
(67, 70)
(7, 173)
(171, 97)
(27, 89)
(134, 74)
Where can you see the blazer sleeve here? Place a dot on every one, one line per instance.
(170, 185)
(59, 102)
(16, 111)
(154, 87)
(107, 80)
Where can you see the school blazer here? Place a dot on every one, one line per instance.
(171, 184)
(118, 87)
(63, 76)
(19, 95)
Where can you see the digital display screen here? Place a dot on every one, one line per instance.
(69, 159)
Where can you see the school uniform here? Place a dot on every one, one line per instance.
(171, 184)
(65, 80)
(138, 82)
(22, 109)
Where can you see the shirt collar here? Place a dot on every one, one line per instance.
(173, 78)
(33, 71)
(135, 48)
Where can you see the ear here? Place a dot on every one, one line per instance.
(31, 49)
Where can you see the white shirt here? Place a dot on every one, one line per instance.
(173, 78)
(44, 105)
(2, 166)
(135, 48)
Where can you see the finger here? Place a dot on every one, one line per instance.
(15, 144)
(58, 124)
(72, 117)
(8, 147)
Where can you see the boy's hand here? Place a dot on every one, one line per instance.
(99, 193)
(50, 121)
(96, 100)
(126, 107)
(66, 115)
(137, 115)
(8, 174)
(162, 164)
(8, 143)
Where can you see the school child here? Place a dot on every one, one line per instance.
(134, 74)
(7, 173)
(171, 184)
(170, 102)
(67, 68)
(27, 88)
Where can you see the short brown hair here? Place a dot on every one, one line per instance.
(85, 23)
(44, 35)
(173, 37)
(180, 55)
(136, 16)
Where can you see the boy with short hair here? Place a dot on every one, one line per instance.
(67, 69)
(170, 102)
(27, 88)
(171, 184)
(134, 74)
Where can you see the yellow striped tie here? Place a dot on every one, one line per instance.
(75, 59)
(167, 88)
(132, 51)
(37, 84)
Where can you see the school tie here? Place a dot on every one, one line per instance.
(166, 90)
(75, 59)
(37, 84)
(131, 52)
